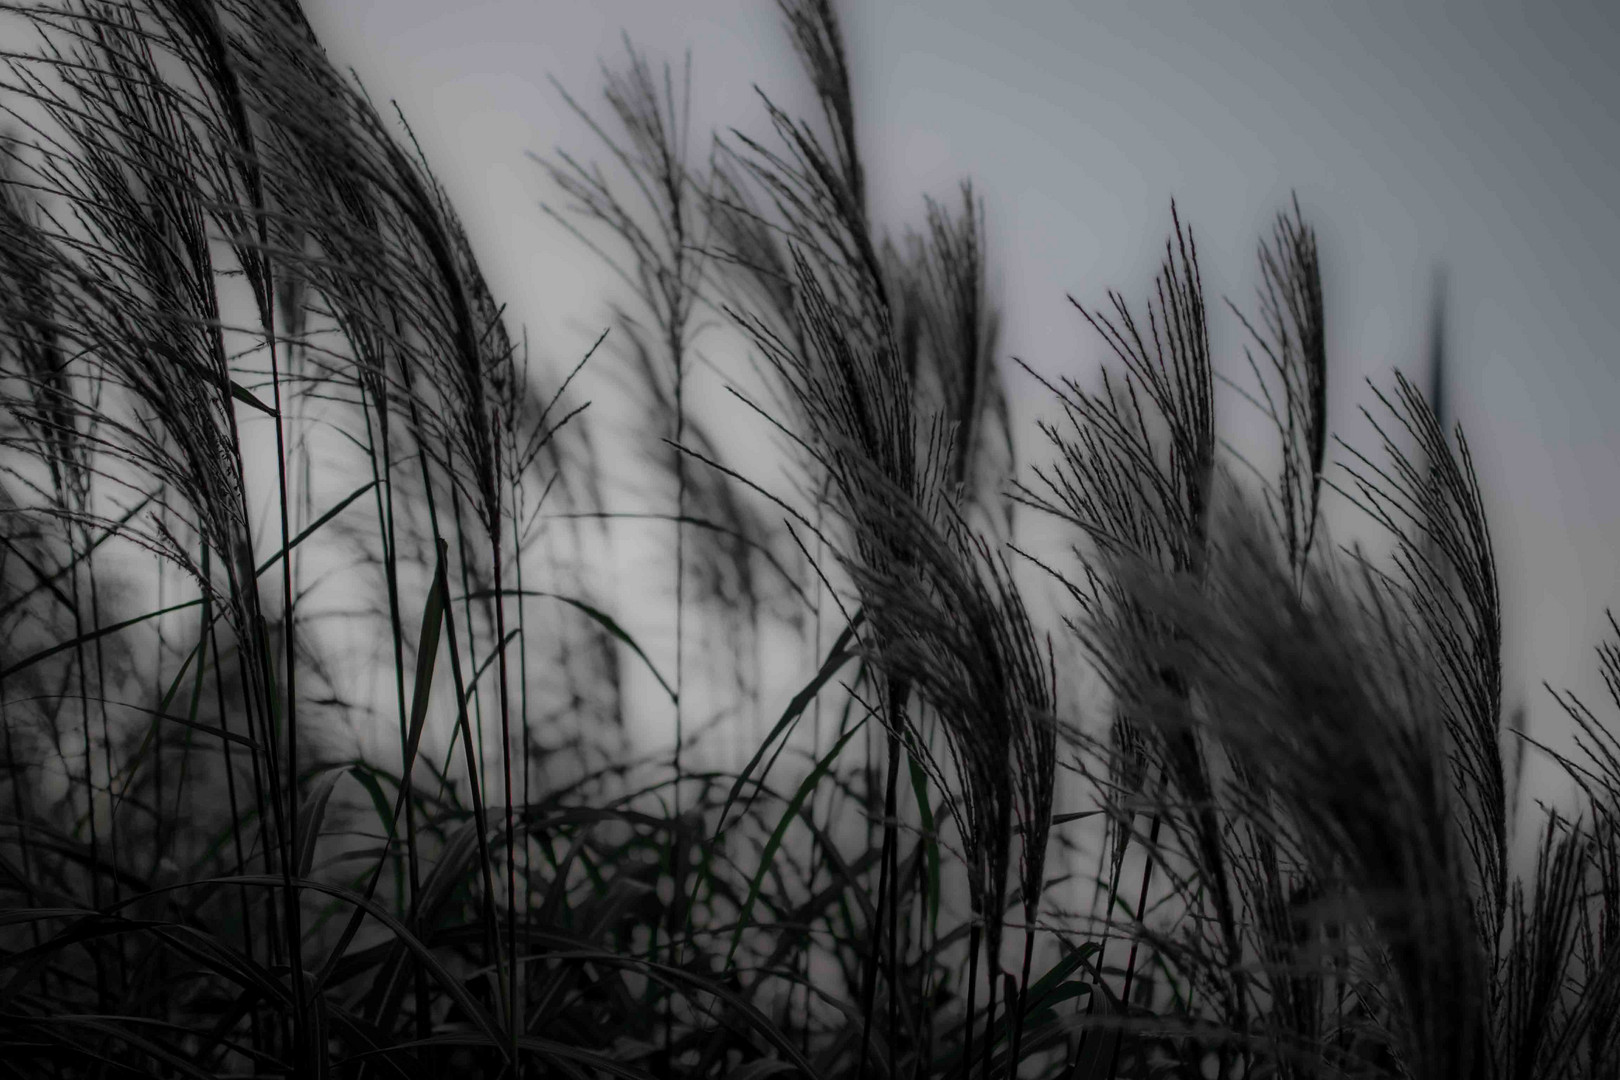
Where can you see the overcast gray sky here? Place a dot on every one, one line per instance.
(1485, 135)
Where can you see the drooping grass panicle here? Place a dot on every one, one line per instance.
(1297, 688)
(652, 227)
(1136, 464)
(950, 625)
(1430, 502)
(832, 181)
(1136, 459)
(665, 262)
(126, 256)
(1292, 336)
(958, 327)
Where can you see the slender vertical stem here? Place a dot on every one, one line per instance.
(289, 647)
(990, 1015)
(383, 493)
(892, 844)
(869, 990)
(513, 1004)
(1141, 910)
(475, 785)
(676, 834)
(680, 562)
(210, 638)
(522, 640)
(89, 783)
(888, 885)
(1023, 991)
(107, 743)
(975, 935)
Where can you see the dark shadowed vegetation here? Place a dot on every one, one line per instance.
(316, 749)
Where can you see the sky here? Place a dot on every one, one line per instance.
(1481, 136)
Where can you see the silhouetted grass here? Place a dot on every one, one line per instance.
(314, 753)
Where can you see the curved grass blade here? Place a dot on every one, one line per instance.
(400, 932)
(310, 817)
(601, 618)
(315, 525)
(768, 855)
(92, 635)
(919, 787)
(837, 656)
(433, 614)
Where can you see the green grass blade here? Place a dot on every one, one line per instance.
(379, 799)
(47, 582)
(837, 656)
(310, 817)
(315, 525)
(919, 786)
(433, 613)
(398, 931)
(427, 653)
(601, 618)
(769, 854)
(242, 394)
(92, 635)
(558, 1053)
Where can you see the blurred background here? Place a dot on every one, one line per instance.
(1480, 139)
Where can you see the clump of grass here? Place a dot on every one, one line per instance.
(1315, 740)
